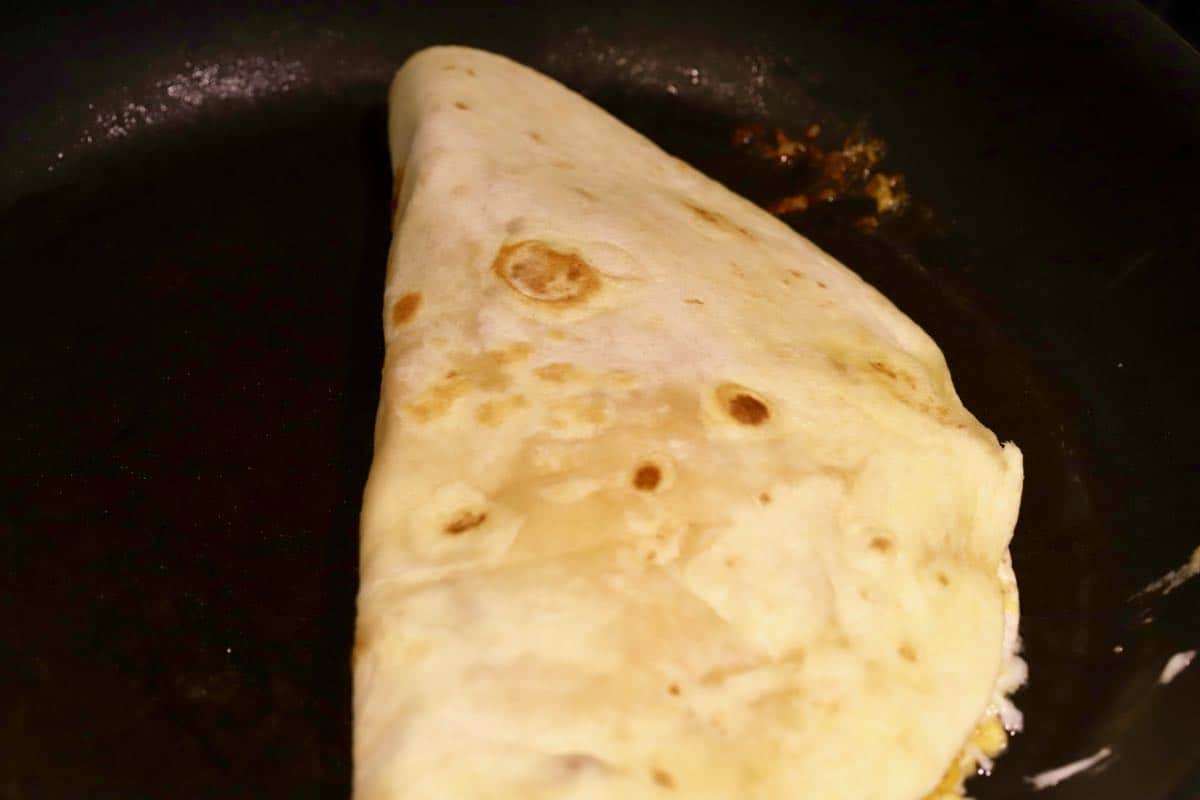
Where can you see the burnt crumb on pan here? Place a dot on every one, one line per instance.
(848, 172)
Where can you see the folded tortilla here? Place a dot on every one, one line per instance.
(665, 501)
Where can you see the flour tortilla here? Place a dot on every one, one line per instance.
(665, 501)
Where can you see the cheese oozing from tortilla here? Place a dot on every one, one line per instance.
(665, 501)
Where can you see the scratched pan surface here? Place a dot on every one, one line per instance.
(193, 226)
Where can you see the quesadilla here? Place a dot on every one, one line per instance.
(665, 501)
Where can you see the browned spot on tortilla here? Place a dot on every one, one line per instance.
(894, 374)
(494, 412)
(881, 543)
(663, 779)
(731, 561)
(718, 220)
(742, 404)
(647, 477)
(558, 372)
(360, 647)
(465, 522)
(650, 556)
(459, 104)
(405, 308)
(439, 398)
(822, 284)
(563, 163)
(674, 689)
(471, 72)
(574, 763)
(765, 498)
(537, 137)
(907, 652)
(459, 190)
(539, 272)
(584, 193)
(748, 410)
(696, 301)
(942, 579)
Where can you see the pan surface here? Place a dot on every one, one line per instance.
(193, 230)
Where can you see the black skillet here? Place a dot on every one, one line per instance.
(193, 232)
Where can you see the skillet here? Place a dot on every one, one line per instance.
(193, 229)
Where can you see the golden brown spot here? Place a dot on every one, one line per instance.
(471, 72)
(765, 498)
(647, 477)
(558, 372)
(718, 220)
(731, 561)
(459, 104)
(465, 522)
(575, 763)
(674, 689)
(822, 284)
(942, 579)
(563, 164)
(584, 193)
(748, 410)
(438, 399)
(449, 68)
(459, 190)
(513, 354)
(537, 137)
(907, 652)
(494, 412)
(542, 273)
(696, 301)
(650, 556)
(664, 779)
(404, 308)
(881, 543)
(360, 647)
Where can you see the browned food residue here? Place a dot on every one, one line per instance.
(848, 170)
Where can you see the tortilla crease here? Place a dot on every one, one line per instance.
(665, 501)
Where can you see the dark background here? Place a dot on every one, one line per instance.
(193, 227)
(1182, 15)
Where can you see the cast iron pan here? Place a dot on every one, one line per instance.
(193, 237)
